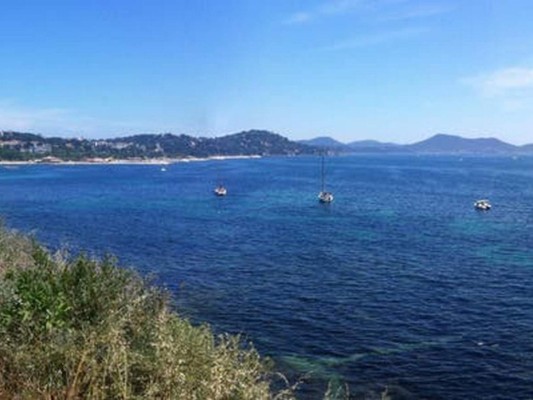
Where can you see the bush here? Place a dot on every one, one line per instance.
(85, 329)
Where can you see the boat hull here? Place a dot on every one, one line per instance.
(220, 191)
(482, 205)
(325, 197)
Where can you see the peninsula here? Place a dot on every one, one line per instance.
(145, 148)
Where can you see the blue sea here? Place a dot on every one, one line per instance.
(398, 285)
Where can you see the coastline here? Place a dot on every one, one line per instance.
(104, 161)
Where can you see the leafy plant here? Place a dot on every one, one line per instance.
(77, 328)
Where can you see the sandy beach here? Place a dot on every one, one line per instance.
(103, 161)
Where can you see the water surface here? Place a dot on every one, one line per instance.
(399, 283)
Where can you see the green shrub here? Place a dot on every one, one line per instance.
(85, 329)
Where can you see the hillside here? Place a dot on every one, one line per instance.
(437, 144)
(374, 146)
(325, 142)
(442, 143)
(19, 146)
(26, 146)
(84, 329)
(527, 148)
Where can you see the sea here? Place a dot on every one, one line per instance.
(399, 289)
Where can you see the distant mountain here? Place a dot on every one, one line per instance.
(368, 143)
(443, 143)
(27, 146)
(324, 141)
(358, 146)
(527, 148)
(440, 143)
(374, 146)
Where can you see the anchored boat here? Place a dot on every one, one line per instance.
(482, 205)
(220, 190)
(324, 196)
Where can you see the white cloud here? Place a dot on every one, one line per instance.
(299, 18)
(511, 88)
(331, 7)
(340, 6)
(418, 11)
(381, 10)
(377, 38)
(503, 82)
(14, 117)
(54, 121)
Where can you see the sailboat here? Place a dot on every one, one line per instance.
(324, 196)
(220, 190)
(482, 205)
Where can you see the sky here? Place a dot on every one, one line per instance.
(389, 70)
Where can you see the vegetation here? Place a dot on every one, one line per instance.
(76, 328)
(27, 146)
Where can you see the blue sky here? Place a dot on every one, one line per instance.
(391, 70)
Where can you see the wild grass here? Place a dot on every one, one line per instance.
(77, 328)
(15, 250)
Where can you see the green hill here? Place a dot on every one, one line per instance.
(26, 146)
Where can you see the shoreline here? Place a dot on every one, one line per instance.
(101, 161)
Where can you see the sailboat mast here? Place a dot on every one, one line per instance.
(323, 196)
(218, 159)
(322, 174)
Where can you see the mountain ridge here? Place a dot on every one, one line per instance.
(440, 143)
(24, 146)
(446, 143)
(325, 141)
(21, 146)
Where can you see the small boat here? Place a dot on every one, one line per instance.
(324, 196)
(482, 205)
(220, 191)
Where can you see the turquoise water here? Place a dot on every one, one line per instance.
(399, 283)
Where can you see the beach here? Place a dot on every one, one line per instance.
(131, 161)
